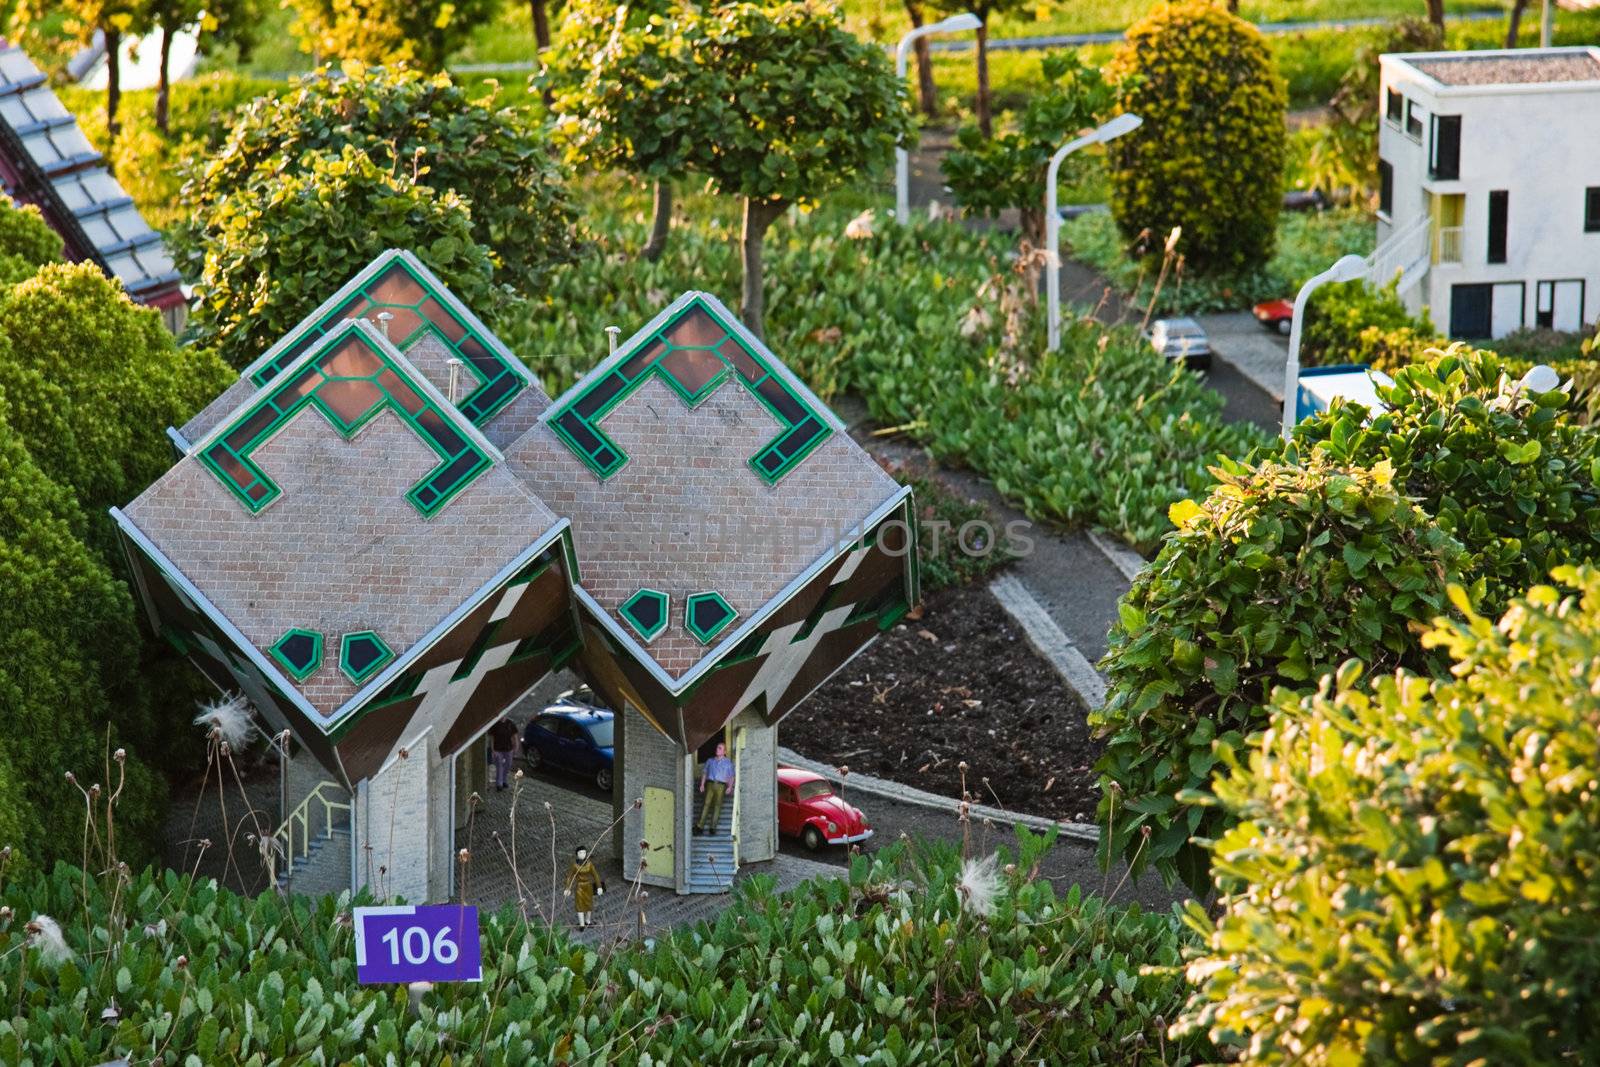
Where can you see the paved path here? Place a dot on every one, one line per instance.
(1256, 353)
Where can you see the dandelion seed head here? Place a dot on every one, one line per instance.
(45, 938)
(978, 888)
(228, 718)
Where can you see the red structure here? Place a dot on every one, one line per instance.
(45, 160)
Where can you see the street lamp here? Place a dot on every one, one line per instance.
(902, 159)
(1348, 269)
(1124, 123)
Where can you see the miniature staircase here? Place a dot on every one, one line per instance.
(711, 859)
(323, 869)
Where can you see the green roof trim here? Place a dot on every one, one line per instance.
(418, 307)
(299, 652)
(362, 654)
(350, 380)
(647, 612)
(695, 353)
(706, 615)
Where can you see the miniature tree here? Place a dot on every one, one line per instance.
(621, 82)
(1209, 157)
(792, 105)
(26, 242)
(287, 240)
(1008, 171)
(423, 32)
(424, 128)
(219, 21)
(985, 10)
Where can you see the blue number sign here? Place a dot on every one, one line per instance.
(433, 943)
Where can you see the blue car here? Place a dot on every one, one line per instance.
(573, 734)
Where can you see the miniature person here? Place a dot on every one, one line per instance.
(503, 741)
(583, 877)
(716, 779)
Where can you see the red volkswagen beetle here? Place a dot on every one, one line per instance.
(1276, 315)
(809, 809)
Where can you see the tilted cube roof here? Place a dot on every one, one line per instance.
(693, 464)
(46, 160)
(345, 496)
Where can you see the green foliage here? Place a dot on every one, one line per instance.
(1351, 322)
(885, 967)
(1103, 432)
(791, 105)
(26, 242)
(622, 83)
(1008, 171)
(959, 540)
(1279, 576)
(1415, 872)
(1508, 473)
(423, 32)
(94, 380)
(491, 164)
(289, 240)
(1307, 242)
(1209, 157)
(68, 652)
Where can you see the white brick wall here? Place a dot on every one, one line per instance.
(648, 757)
(393, 838)
(758, 788)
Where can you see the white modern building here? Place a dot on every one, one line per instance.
(1489, 179)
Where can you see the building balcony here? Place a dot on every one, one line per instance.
(1447, 244)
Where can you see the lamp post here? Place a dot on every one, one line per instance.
(1124, 123)
(902, 159)
(1347, 269)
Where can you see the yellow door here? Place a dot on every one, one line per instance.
(659, 815)
(1449, 217)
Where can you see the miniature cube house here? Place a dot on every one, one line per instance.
(385, 533)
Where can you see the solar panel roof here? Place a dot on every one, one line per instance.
(58, 169)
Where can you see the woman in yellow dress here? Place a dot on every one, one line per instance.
(583, 878)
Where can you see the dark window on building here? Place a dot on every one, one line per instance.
(1591, 209)
(1414, 120)
(1497, 225)
(1385, 187)
(1394, 106)
(1444, 160)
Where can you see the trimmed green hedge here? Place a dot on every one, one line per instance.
(895, 966)
(1414, 876)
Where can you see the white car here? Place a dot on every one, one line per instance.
(1181, 339)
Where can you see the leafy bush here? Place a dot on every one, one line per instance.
(1209, 157)
(1351, 322)
(942, 515)
(1282, 573)
(290, 239)
(991, 174)
(888, 967)
(1307, 242)
(26, 242)
(68, 652)
(424, 32)
(1510, 474)
(422, 131)
(94, 382)
(1414, 876)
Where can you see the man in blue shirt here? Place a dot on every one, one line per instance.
(716, 780)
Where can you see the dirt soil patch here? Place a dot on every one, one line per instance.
(961, 682)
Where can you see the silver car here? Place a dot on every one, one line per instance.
(1183, 339)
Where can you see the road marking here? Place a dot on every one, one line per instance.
(1128, 562)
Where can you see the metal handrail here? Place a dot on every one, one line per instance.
(301, 817)
(738, 747)
(1450, 242)
(1393, 255)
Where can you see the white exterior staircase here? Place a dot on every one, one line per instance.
(311, 853)
(1407, 252)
